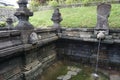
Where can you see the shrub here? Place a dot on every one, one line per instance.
(34, 5)
(61, 2)
(69, 2)
(2, 24)
(53, 3)
(85, 2)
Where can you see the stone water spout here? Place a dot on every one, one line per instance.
(101, 35)
(101, 30)
(102, 26)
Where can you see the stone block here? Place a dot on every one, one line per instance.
(33, 73)
(60, 77)
(67, 77)
(72, 73)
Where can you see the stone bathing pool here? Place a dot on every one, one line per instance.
(30, 54)
(64, 70)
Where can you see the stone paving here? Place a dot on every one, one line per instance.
(72, 71)
(114, 77)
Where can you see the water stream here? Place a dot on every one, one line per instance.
(97, 56)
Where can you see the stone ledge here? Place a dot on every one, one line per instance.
(45, 30)
(109, 41)
(112, 30)
(10, 50)
(9, 33)
(31, 74)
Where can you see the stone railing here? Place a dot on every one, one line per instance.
(11, 41)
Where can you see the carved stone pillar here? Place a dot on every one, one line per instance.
(56, 18)
(103, 12)
(23, 14)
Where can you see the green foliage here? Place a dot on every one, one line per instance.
(61, 2)
(85, 2)
(53, 3)
(69, 2)
(34, 5)
(2, 24)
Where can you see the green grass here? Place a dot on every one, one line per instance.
(85, 74)
(76, 17)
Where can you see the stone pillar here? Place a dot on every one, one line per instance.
(103, 12)
(9, 24)
(23, 14)
(56, 18)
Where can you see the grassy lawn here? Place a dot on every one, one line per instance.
(76, 17)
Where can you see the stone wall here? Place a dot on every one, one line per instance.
(29, 64)
(85, 52)
(25, 61)
(37, 60)
(26, 52)
(81, 45)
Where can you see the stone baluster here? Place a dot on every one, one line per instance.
(9, 23)
(103, 12)
(56, 18)
(23, 14)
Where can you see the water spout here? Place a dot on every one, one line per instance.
(97, 57)
(101, 35)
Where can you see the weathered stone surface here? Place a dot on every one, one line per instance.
(9, 22)
(23, 14)
(60, 77)
(34, 72)
(82, 52)
(10, 70)
(103, 12)
(33, 38)
(35, 58)
(67, 77)
(74, 69)
(56, 18)
(72, 73)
